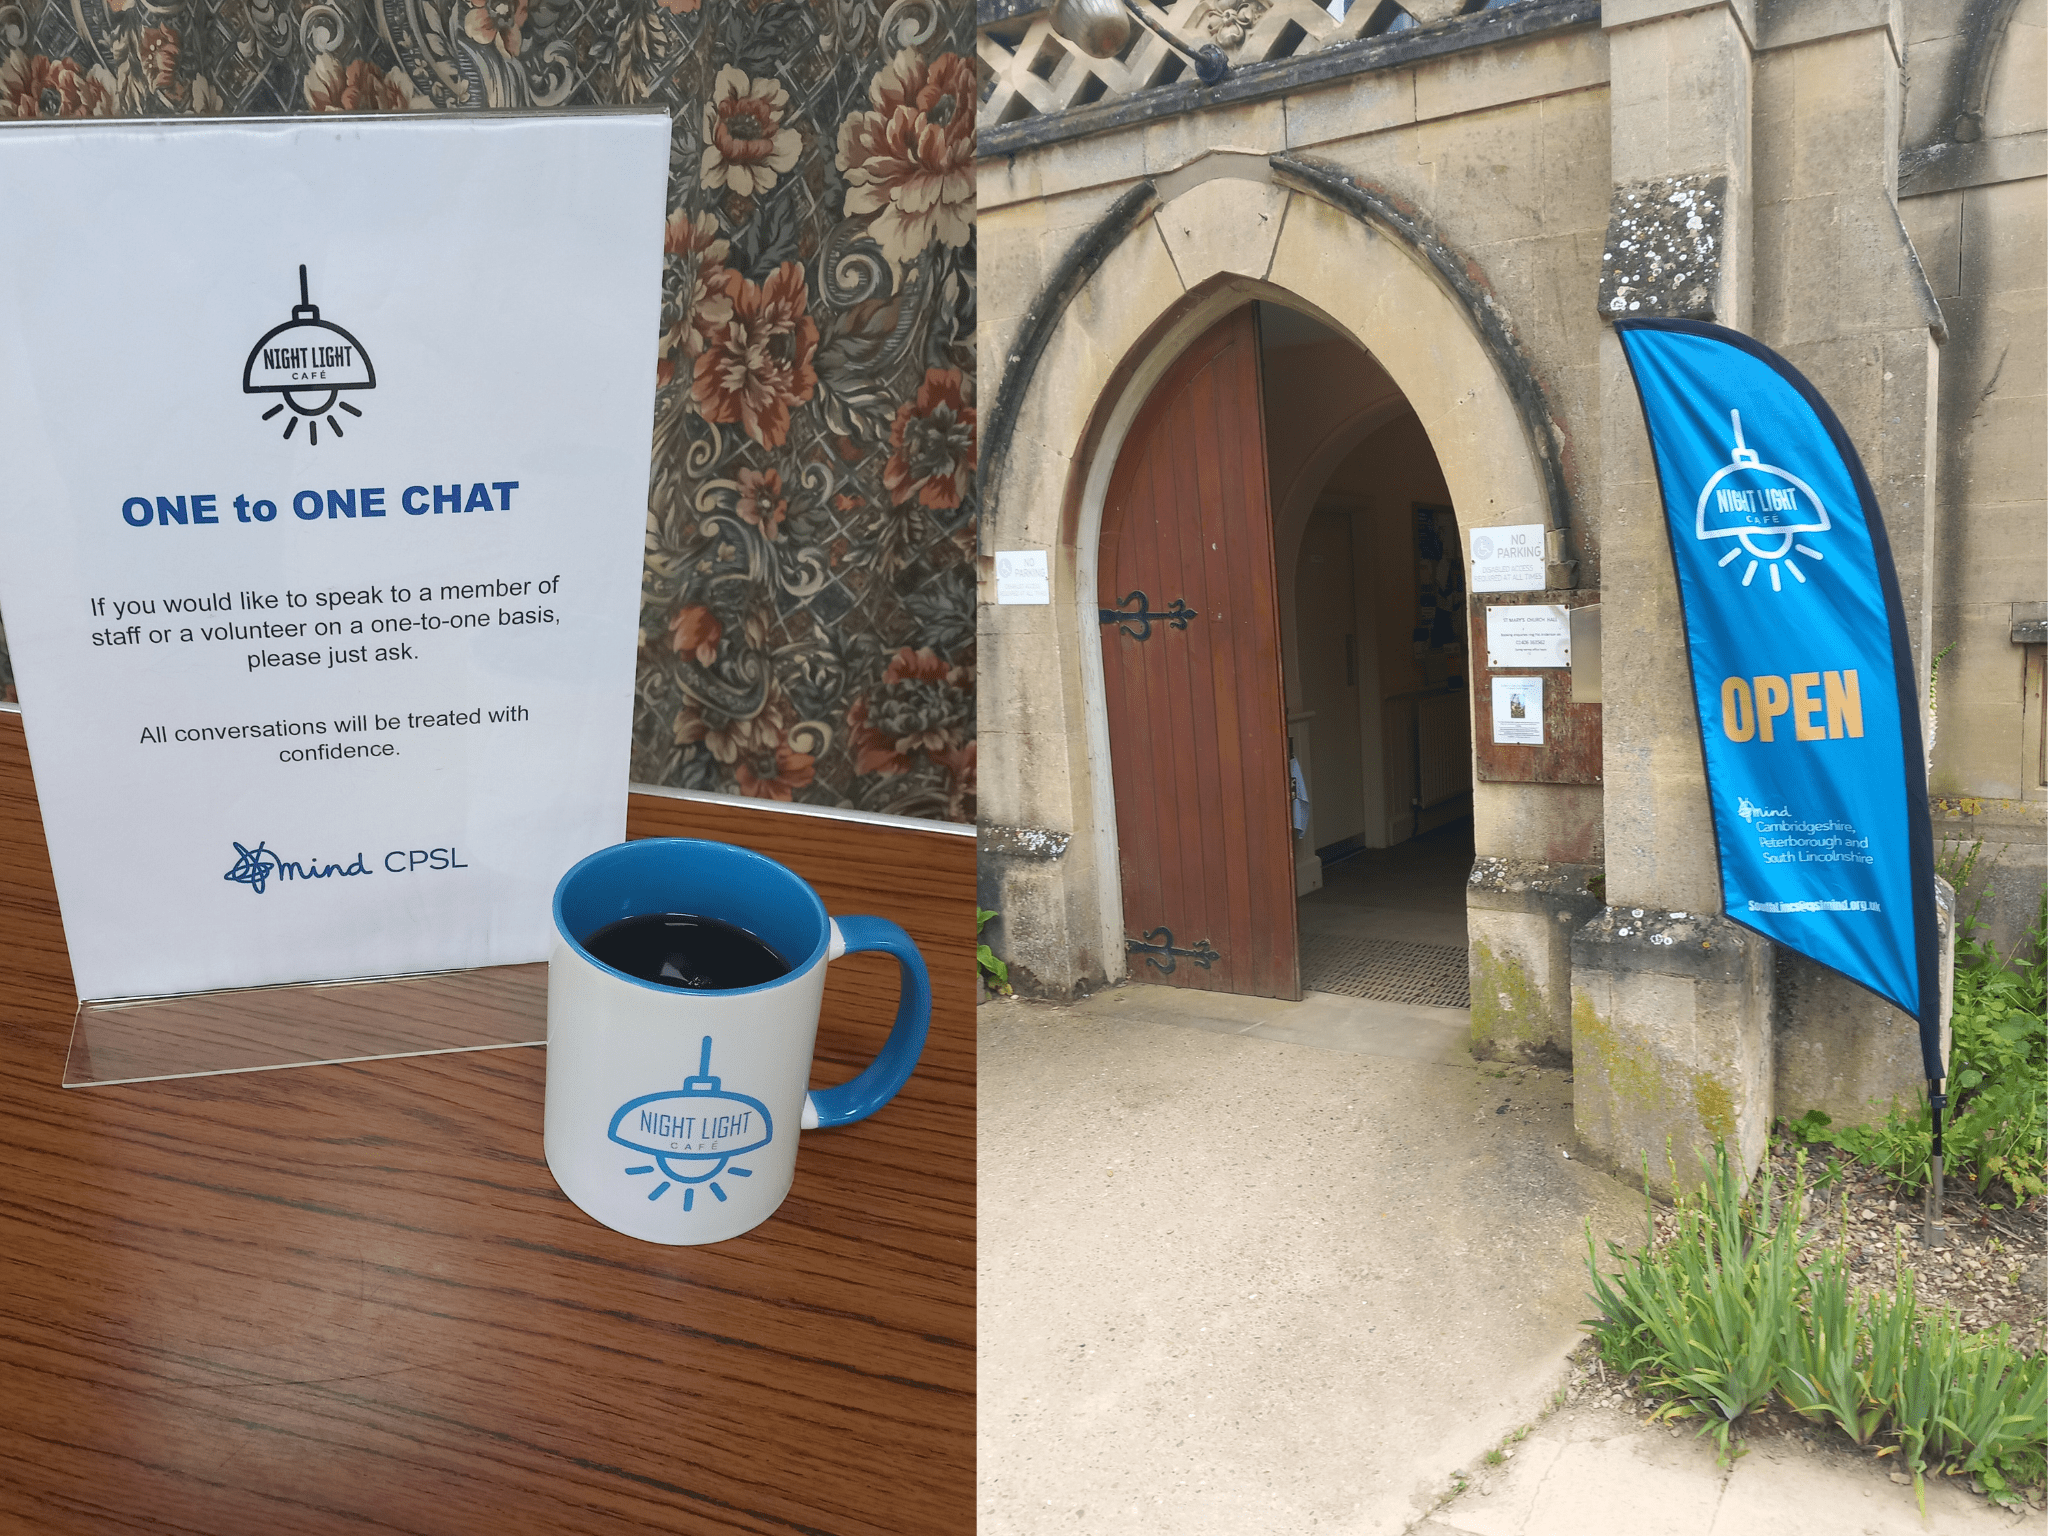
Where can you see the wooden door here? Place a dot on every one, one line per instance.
(1191, 663)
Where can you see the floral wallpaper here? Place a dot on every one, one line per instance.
(807, 611)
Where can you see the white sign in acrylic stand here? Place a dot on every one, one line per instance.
(320, 551)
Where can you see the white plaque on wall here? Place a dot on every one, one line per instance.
(1528, 635)
(1508, 559)
(1022, 576)
(321, 527)
(1518, 710)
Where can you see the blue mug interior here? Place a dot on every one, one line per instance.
(678, 874)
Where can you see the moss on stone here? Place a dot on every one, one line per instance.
(1510, 1014)
(1714, 1105)
(1642, 1103)
(1632, 1080)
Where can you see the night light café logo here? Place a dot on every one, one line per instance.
(1764, 509)
(693, 1133)
(312, 363)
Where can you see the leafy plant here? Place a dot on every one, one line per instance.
(1957, 864)
(1997, 1406)
(994, 971)
(1998, 1066)
(1998, 1082)
(1901, 1145)
(1823, 1376)
(1922, 1388)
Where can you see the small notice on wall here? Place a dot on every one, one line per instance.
(1528, 635)
(1518, 710)
(1022, 576)
(321, 530)
(1508, 559)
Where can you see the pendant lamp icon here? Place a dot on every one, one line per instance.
(693, 1133)
(311, 362)
(1763, 508)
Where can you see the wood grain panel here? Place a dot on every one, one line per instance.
(1215, 875)
(1177, 667)
(1261, 696)
(351, 1299)
(1211, 802)
(1196, 716)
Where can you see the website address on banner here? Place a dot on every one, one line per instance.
(1816, 906)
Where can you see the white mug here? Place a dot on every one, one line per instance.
(672, 1115)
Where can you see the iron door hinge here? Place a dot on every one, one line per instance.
(1152, 950)
(1122, 615)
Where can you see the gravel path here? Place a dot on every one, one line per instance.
(1993, 1270)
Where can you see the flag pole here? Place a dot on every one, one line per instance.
(1931, 1233)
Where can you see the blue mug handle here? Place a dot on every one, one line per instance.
(889, 1071)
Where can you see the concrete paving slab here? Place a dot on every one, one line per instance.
(1235, 1283)
(1562, 1484)
(1325, 1020)
(1601, 1472)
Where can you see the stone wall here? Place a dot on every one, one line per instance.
(1974, 198)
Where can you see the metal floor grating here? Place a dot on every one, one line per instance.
(1387, 971)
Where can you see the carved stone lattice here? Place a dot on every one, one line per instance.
(1227, 23)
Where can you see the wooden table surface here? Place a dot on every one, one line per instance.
(351, 1298)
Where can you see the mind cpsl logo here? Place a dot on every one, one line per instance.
(693, 1133)
(257, 867)
(1764, 509)
(311, 362)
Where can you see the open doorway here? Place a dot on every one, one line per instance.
(1378, 704)
(1279, 598)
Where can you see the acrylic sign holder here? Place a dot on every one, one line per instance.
(263, 1028)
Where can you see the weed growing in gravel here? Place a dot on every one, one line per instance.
(1733, 1308)
(1999, 1065)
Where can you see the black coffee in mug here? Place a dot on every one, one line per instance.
(678, 949)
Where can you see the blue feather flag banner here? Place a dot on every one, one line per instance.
(1801, 668)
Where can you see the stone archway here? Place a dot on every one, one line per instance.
(1226, 228)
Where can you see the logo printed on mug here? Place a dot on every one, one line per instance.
(646, 992)
(693, 1133)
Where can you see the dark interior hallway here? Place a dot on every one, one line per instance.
(1389, 923)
